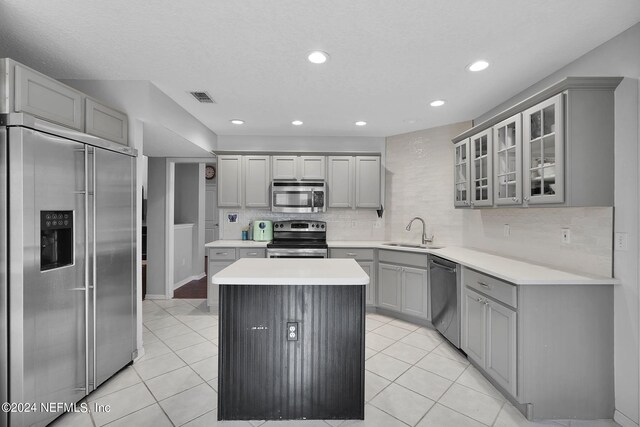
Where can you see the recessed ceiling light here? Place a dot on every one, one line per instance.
(437, 103)
(296, 122)
(478, 65)
(361, 123)
(318, 57)
(237, 121)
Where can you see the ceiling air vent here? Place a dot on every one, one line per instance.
(202, 96)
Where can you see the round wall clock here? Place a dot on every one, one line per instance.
(210, 172)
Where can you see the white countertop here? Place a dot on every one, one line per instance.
(508, 269)
(296, 271)
(515, 271)
(235, 244)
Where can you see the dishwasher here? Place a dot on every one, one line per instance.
(445, 298)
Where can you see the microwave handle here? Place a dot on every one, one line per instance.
(313, 199)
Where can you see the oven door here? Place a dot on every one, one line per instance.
(296, 253)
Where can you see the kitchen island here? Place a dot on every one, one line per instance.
(291, 340)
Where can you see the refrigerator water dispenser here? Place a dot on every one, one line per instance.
(56, 239)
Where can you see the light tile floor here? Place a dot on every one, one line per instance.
(413, 377)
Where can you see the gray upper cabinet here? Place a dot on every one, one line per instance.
(543, 146)
(507, 162)
(340, 179)
(46, 98)
(554, 148)
(284, 167)
(311, 168)
(304, 168)
(368, 182)
(229, 181)
(256, 181)
(481, 169)
(462, 173)
(106, 122)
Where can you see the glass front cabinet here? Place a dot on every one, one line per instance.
(507, 162)
(543, 146)
(461, 174)
(481, 169)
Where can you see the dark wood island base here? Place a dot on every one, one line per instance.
(266, 374)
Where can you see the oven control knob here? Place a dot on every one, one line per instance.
(322, 226)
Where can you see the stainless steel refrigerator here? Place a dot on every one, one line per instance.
(67, 264)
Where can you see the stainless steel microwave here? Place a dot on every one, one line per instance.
(298, 196)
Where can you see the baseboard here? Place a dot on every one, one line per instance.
(188, 279)
(623, 420)
(140, 354)
(155, 296)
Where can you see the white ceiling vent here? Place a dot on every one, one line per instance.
(203, 97)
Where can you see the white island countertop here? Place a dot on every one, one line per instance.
(292, 271)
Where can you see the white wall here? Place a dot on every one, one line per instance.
(619, 56)
(182, 253)
(156, 225)
(143, 100)
(419, 182)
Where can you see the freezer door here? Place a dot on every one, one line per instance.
(115, 329)
(47, 293)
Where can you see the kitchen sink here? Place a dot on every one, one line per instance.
(411, 245)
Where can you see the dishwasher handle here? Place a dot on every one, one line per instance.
(442, 266)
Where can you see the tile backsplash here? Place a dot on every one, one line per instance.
(535, 235)
(342, 224)
(419, 175)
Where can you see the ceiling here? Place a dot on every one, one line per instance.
(388, 59)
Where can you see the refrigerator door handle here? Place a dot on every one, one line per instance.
(95, 264)
(86, 269)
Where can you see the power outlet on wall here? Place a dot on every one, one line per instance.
(506, 231)
(621, 241)
(566, 236)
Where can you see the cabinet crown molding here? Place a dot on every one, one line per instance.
(568, 83)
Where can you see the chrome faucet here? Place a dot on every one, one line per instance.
(425, 239)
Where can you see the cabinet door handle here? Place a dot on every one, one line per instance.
(252, 253)
(484, 285)
(515, 199)
(222, 253)
(352, 254)
(478, 299)
(526, 198)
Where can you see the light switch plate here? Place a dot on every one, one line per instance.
(566, 236)
(506, 230)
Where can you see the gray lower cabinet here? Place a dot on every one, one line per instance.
(490, 338)
(474, 335)
(549, 347)
(219, 259)
(414, 291)
(501, 345)
(364, 257)
(389, 286)
(403, 283)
